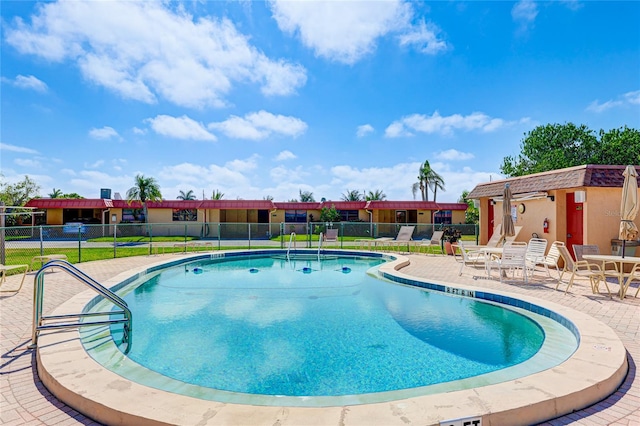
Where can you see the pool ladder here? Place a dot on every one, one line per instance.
(320, 244)
(292, 239)
(39, 320)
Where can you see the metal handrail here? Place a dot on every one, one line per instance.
(320, 245)
(291, 238)
(38, 293)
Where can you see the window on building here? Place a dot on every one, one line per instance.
(348, 215)
(442, 217)
(133, 215)
(296, 216)
(185, 215)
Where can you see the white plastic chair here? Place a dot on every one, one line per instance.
(536, 251)
(514, 257)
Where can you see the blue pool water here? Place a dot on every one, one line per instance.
(264, 325)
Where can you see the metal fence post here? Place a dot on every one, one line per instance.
(41, 242)
(249, 226)
(115, 241)
(219, 230)
(80, 243)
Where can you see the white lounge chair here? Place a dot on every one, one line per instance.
(433, 244)
(330, 235)
(404, 237)
(3, 275)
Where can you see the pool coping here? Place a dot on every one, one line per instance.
(594, 371)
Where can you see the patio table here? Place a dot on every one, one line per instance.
(624, 278)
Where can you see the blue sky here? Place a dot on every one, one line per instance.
(259, 99)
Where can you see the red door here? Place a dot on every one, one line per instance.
(574, 222)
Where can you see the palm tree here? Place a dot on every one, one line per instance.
(436, 183)
(217, 195)
(56, 193)
(378, 195)
(189, 195)
(426, 177)
(353, 195)
(145, 189)
(306, 197)
(268, 197)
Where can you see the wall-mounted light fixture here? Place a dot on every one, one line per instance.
(580, 196)
(551, 197)
(114, 218)
(492, 202)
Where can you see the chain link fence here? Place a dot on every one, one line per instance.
(84, 242)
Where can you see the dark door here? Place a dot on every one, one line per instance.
(574, 222)
(263, 216)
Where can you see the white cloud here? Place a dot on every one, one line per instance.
(632, 97)
(342, 31)
(293, 176)
(524, 13)
(364, 130)
(180, 128)
(24, 162)
(453, 155)
(28, 82)
(443, 125)
(629, 98)
(94, 165)
(424, 38)
(139, 131)
(285, 155)
(147, 50)
(259, 125)
(104, 133)
(14, 148)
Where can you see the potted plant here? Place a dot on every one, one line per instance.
(450, 236)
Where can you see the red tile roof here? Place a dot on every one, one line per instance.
(588, 175)
(70, 203)
(414, 205)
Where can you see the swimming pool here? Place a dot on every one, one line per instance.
(261, 329)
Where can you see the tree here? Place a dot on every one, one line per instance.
(189, 195)
(427, 178)
(268, 197)
(557, 146)
(436, 183)
(217, 195)
(306, 197)
(145, 189)
(353, 195)
(378, 195)
(329, 214)
(19, 193)
(74, 195)
(56, 193)
(472, 215)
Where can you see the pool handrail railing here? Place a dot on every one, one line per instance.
(39, 319)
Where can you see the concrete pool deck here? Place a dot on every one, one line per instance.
(26, 401)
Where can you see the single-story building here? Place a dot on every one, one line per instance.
(196, 213)
(576, 205)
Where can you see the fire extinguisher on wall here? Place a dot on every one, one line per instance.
(545, 225)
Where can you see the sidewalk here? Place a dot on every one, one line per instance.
(25, 400)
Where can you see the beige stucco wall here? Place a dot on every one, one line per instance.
(601, 217)
(54, 217)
